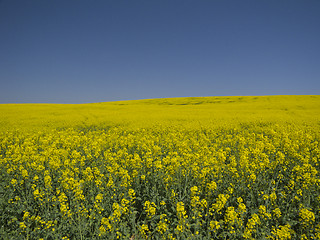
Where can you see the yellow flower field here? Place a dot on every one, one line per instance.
(181, 168)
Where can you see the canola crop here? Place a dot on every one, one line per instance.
(185, 168)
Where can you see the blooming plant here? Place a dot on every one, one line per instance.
(209, 176)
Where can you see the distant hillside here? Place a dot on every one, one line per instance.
(201, 111)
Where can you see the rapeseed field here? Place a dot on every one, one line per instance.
(180, 168)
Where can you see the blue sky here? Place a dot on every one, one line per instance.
(79, 51)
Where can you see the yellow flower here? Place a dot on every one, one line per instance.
(304, 237)
(273, 196)
(26, 215)
(13, 181)
(132, 194)
(231, 216)
(150, 208)
(102, 230)
(144, 230)
(242, 208)
(283, 232)
(194, 190)
(214, 225)
(306, 216)
(253, 177)
(277, 213)
(263, 212)
(105, 223)
(162, 225)
(24, 173)
(220, 202)
(22, 225)
(99, 197)
(212, 186)
(251, 226)
(47, 181)
(180, 209)
(179, 228)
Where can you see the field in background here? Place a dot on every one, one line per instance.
(206, 111)
(180, 168)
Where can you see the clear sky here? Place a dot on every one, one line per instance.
(76, 51)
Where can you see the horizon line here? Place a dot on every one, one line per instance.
(157, 98)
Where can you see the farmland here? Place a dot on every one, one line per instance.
(179, 168)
